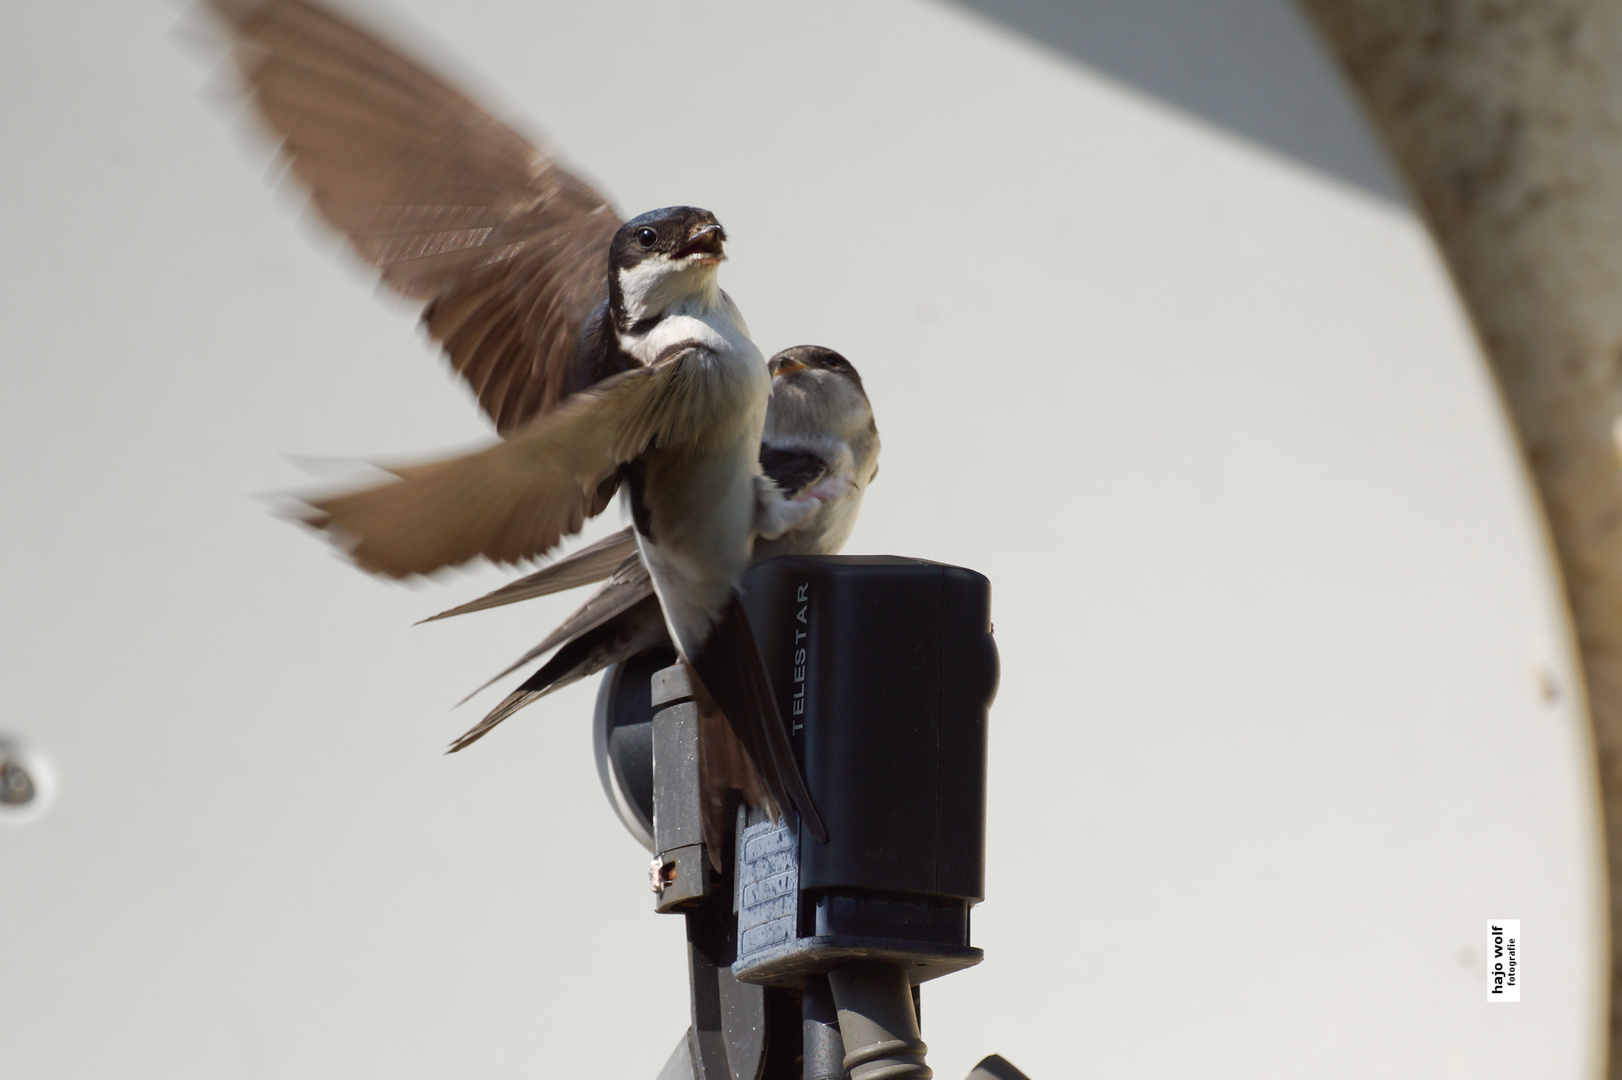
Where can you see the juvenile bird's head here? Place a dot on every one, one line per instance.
(817, 394)
(664, 259)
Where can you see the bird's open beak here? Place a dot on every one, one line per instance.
(704, 246)
(786, 367)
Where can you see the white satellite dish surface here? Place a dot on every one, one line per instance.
(1288, 706)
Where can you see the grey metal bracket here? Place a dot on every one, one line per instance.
(680, 873)
(728, 1036)
(744, 1030)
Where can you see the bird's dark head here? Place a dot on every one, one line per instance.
(790, 363)
(817, 394)
(663, 258)
(681, 235)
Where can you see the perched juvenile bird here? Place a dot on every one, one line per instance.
(819, 427)
(606, 353)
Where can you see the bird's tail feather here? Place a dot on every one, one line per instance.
(608, 643)
(731, 670)
(570, 665)
(631, 597)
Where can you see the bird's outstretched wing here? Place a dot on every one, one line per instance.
(507, 249)
(516, 499)
(609, 558)
(792, 470)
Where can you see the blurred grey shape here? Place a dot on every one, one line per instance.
(16, 786)
(1254, 67)
(996, 1067)
(24, 782)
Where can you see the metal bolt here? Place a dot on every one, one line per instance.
(16, 786)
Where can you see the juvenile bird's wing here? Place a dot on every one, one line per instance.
(792, 469)
(514, 500)
(508, 250)
(607, 558)
(785, 476)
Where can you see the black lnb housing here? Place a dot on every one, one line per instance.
(884, 669)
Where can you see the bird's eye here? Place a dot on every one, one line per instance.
(647, 237)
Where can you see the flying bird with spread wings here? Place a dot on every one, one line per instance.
(604, 351)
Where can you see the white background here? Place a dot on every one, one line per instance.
(1287, 708)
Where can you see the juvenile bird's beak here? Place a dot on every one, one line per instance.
(787, 367)
(704, 246)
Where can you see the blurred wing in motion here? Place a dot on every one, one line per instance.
(517, 499)
(611, 558)
(607, 558)
(507, 249)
